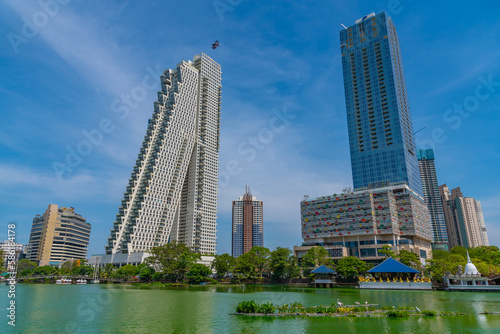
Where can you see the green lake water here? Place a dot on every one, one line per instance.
(43, 308)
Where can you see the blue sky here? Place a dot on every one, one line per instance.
(72, 68)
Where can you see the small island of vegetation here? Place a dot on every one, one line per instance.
(252, 308)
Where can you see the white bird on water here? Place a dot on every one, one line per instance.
(339, 303)
(416, 308)
(357, 303)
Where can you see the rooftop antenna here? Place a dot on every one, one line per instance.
(343, 26)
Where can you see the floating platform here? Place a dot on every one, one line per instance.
(396, 285)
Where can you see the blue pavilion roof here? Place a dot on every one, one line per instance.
(392, 266)
(323, 270)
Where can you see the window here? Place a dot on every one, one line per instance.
(423, 254)
(367, 252)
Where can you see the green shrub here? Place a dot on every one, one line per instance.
(429, 313)
(266, 308)
(396, 313)
(212, 281)
(297, 305)
(322, 309)
(247, 306)
(344, 310)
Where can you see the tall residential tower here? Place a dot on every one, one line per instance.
(387, 205)
(432, 198)
(380, 127)
(172, 192)
(248, 224)
(464, 219)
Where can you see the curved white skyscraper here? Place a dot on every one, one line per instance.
(172, 192)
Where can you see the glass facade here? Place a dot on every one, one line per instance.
(381, 136)
(432, 197)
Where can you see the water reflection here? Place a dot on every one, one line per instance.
(206, 309)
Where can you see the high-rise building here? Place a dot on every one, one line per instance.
(172, 192)
(464, 219)
(381, 137)
(482, 224)
(387, 205)
(432, 198)
(248, 224)
(59, 234)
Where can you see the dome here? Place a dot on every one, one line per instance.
(470, 268)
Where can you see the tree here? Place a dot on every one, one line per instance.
(82, 270)
(260, 258)
(253, 262)
(245, 264)
(158, 276)
(127, 271)
(198, 273)
(283, 264)
(25, 267)
(314, 257)
(1, 262)
(488, 254)
(107, 270)
(173, 259)
(459, 250)
(144, 271)
(409, 258)
(350, 267)
(387, 251)
(223, 264)
(44, 271)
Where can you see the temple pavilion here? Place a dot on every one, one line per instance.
(393, 275)
(324, 276)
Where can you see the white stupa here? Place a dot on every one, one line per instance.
(470, 280)
(470, 268)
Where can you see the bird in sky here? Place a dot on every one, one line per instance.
(215, 45)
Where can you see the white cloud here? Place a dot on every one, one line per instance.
(29, 186)
(83, 45)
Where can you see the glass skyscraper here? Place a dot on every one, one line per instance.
(387, 205)
(433, 198)
(381, 137)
